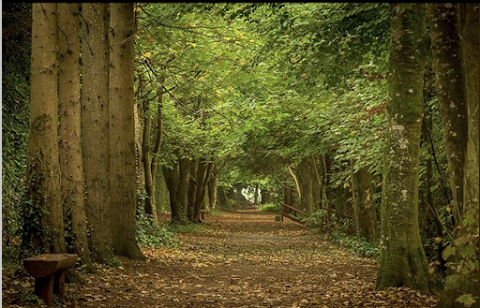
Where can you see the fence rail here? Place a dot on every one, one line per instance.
(283, 213)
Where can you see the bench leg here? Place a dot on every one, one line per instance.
(59, 284)
(44, 289)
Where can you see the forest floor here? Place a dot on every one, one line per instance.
(239, 259)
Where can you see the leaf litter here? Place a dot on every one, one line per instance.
(239, 259)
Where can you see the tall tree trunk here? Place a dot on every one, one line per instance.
(430, 212)
(199, 190)
(152, 152)
(463, 280)
(266, 196)
(213, 189)
(95, 127)
(451, 95)
(403, 260)
(43, 168)
(317, 184)
(71, 162)
(163, 196)
(192, 190)
(122, 131)
(140, 99)
(139, 115)
(287, 193)
(255, 194)
(172, 179)
(182, 191)
(204, 172)
(365, 213)
(305, 179)
(146, 159)
(324, 195)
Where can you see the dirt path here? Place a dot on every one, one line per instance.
(243, 259)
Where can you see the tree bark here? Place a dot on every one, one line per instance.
(403, 260)
(122, 131)
(171, 179)
(71, 162)
(305, 178)
(182, 191)
(451, 95)
(203, 177)
(139, 116)
(466, 234)
(192, 190)
(151, 150)
(163, 196)
(365, 213)
(43, 168)
(95, 127)
(213, 189)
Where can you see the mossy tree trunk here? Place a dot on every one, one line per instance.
(462, 279)
(151, 148)
(71, 162)
(213, 189)
(163, 196)
(192, 190)
(204, 172)
(305, 179)
(403, 260)
(95, 128)
(185, 168)
(171, 180)
(449, 75)
(122, 131)
(43, 167)
(365, 212)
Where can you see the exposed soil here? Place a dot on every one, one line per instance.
(239, 259)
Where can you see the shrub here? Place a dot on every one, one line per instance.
(270, 207)
(152, 234)
(356, 244)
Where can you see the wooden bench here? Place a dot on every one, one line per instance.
(49, 272)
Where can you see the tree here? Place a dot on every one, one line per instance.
(151, 150)
(364, 204)
(95, 128)
(122, 131)
(461, 287)
(71, 163)
(43, 169)
(449, 75)
(403, 260)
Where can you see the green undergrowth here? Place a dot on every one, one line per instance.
(214, 212)
(154, 235)
(269, 207)
(184, 228)
(355, 244)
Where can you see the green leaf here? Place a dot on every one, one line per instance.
(449, 251)
(467, 299)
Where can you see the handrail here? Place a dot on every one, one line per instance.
(284, 205)
(292, 208)
(284, 214)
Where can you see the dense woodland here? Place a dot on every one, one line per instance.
(362, 115)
